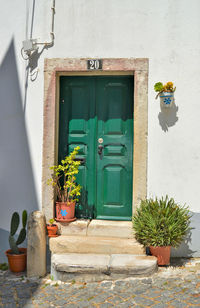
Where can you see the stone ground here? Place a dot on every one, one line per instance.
(175, 286)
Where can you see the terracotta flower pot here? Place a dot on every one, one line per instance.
(65, 211)
(17, 263)
(162, 253)
(52, 230)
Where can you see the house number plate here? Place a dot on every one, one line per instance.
(94, 64)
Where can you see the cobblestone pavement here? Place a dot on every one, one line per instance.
(174, 286)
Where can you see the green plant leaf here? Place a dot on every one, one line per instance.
(13, 245)
(14, 223)
(158, 87)
(24, 218)
(21, 236)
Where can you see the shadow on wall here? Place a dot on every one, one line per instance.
(168, 116)
(17, 188)
(191, 246)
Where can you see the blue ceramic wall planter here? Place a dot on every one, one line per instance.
(166, 99)
(166, 93)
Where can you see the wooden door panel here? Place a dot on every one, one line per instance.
(114, 166)
(77, 122)
(113, 194)
(114, 150)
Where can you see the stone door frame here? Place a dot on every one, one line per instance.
(53, 68)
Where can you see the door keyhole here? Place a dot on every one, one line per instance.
(100, 149)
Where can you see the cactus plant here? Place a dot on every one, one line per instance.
(13, 229)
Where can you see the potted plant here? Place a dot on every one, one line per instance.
(67, 191)
(52, 228)
(165, 92)
(160, 224)
(17, 256)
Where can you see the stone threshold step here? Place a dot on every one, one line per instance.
(96, 227)
(96, 245)
(94, 267)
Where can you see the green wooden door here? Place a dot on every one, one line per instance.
(96, 113)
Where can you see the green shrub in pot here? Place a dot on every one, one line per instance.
(161, 222)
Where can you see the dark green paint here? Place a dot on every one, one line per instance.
(93, 108)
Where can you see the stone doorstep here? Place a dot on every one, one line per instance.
(95, 227)
(97, 267)
(77, 227)
(94, 245)
(81, 263)
(110, 228)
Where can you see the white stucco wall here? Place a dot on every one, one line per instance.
(167, 32)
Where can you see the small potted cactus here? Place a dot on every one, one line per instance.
(17, 256)
(52, 228)
(165, 92)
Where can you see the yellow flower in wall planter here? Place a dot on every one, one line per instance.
(165, 92)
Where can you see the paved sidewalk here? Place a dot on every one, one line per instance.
(174, 286)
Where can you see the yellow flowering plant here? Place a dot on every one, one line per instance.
(63, 178)
(160, 87)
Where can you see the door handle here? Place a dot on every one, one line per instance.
(100, 149)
